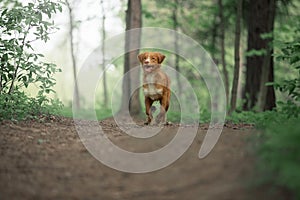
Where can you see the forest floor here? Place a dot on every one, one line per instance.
(48, 161)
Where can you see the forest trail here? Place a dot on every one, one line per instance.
(48, 161)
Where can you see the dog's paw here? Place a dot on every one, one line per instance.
(168, 123)
(165, 123)
(161, 118)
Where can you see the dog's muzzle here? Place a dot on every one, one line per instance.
(148, 68)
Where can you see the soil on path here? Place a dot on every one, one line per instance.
(48, 161)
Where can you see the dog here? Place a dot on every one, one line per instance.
(156, 86)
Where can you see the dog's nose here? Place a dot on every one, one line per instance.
(147, 61)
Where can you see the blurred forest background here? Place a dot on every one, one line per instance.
(249, 42)
(255, 44)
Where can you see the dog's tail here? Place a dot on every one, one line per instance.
(153, 109)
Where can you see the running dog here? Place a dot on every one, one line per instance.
(156, 86)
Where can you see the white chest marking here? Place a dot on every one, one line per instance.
(152, 91)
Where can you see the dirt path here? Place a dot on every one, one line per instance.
(48, 161)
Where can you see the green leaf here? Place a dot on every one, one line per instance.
(10, 76)
(59, 8)
(40, 16)
(255, 52)
(31, 5)
(4, 58)
(269, 84)
(24, 79)
(266, 35)
(4, 12)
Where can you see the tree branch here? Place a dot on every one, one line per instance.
(17, 64)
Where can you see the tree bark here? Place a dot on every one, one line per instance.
(105, 95)
(214, 35)
(132, 41)
(265, 100)
(71, 27)
(270, 103)
(234, 89)
(222, 41)
(175, 28)
(259, 18)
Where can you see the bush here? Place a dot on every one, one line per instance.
(290, 55)
(279, 152)
(278, 147)
(20, 66)
(18, 106)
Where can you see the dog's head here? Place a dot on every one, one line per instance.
(151, 61)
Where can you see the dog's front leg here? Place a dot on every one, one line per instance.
(148, 104)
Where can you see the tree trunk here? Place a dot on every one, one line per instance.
(175, 28)
(241, 75)
(214, 40)
(222, 40)
(266, 97)
(105, 100)
(132, 41)
(270, 103)
(214, 35)
(71, 27)
(260, 16)
(234, 89)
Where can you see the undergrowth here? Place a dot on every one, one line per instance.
(19, 106)
(278, 152)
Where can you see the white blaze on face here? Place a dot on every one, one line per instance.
(147, 67)
(147, 60)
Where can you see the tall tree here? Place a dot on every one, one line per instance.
(71, 29)
(132, 41)
(175, 28)
(103, 54)
(236, 75)
(264, 102)
(259, 17)
(222, 44)
(214, 34)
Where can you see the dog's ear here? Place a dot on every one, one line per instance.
(141, 57)
(161, 58)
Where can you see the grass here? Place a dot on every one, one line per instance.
(86, 113)
(261, 119)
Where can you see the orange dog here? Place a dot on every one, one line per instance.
(156, 85)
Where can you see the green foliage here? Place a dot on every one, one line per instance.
(254, 52)
(85, 113)
(259, 119)
(279, 152)
(18, 106)
(247, 117)
(186, 118)
(289, 108)
(290, 53)
(278, 145)
(20, 66)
